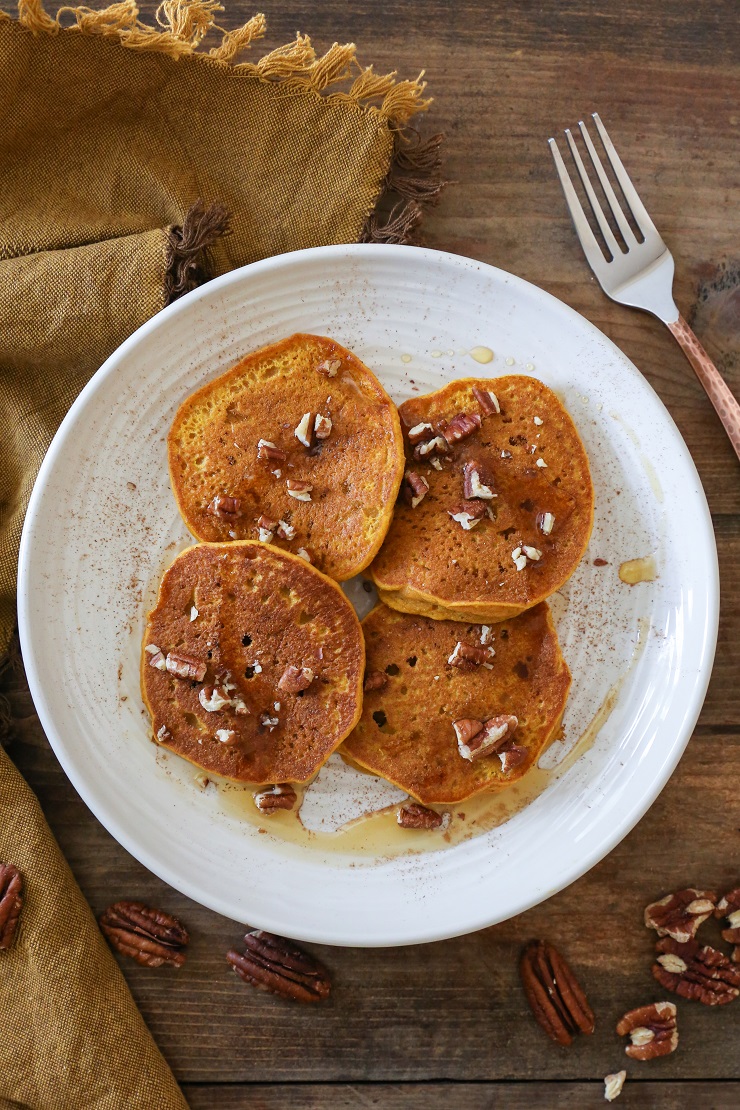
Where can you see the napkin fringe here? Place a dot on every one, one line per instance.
(187, 254)
(414, 181)
(182, 26)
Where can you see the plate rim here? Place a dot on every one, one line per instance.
(142, 852)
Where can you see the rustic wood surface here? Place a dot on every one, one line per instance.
(445, 1024)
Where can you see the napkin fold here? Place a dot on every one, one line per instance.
(132, 167)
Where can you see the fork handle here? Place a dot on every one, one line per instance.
(715, 386)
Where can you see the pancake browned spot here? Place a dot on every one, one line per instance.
(406, 731)
(297, 445)
(509, 510)
(252, 664)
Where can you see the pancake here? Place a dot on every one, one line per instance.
(252, 663)
(297, 445)
(508, 509)
(414, 697)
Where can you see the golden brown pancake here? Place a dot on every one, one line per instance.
(252, 663)
(297, 445)
(509, 507)
(413, 695)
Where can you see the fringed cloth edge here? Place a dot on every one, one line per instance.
(414, 179)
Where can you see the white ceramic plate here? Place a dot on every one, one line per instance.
(102, 524)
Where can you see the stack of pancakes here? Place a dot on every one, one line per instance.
(288, 467)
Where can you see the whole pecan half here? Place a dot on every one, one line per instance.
(150, 937)
(11, 902)
(276, 965)
(652, 1031)
(679, 915)
(280, 796)
(412, 815)
(469, 656)
(553, 992)
(729, 907)
(702, 974)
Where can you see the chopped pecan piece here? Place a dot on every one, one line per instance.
(225, 508)
(613, 1085)
(158, 661)
(465, 729)
(679, 915)
(276, 965)
(468, 656)
(225, 736)
(266, 449)
(435, 446)
(280, 796)
(301, 491)
(329, 367)
(512, 757)
(304, 433)
(702, 974)
(729, 907)
(303, 554)
(267, 523)
(490, 739)
(412, 815)
(184, 666)
(414, 489)
(164, 735)
(545, 523)
(474, 484)
(553, 992)
(467, 514)
(150, 937)
(418, 433)
(285, 530)
(214, 698)
(375, 680)
(487, 400)
(652, 1031)
(322, 426)
(295, 679)
(461, 426)
(268, 721)
(11, 903)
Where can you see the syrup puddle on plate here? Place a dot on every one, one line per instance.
(377, 833)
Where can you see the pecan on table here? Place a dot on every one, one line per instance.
(412, 815)
(276, 965)
(679, 915)
(729, 907)
(702, 974)
(11, 902)
(150, 937)
(652, 1031)
(613, 1085)
(553, 992)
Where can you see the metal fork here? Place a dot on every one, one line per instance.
(637, 274)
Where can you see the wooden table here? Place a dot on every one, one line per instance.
(445, 1025)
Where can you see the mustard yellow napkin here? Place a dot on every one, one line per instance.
(132, 168)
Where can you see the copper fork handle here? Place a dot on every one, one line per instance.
(715, 386)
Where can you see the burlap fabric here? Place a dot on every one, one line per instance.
(110, 132)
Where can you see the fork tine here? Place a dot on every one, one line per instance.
(639, 211)
(598, 212)
(624, 227)
(587, 239)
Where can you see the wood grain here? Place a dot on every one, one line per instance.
(403, 1024)
(638, 1095)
